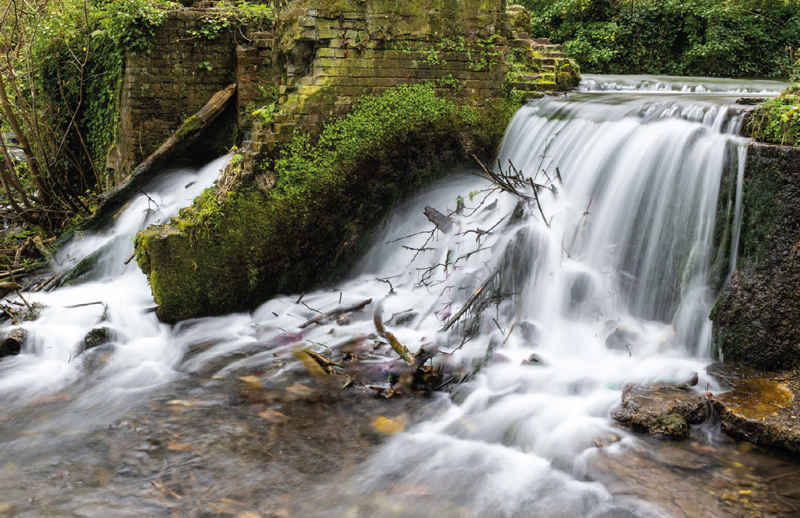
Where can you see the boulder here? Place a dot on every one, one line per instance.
(661, 409)
(757, 316)
(760, 407)
(13, 341)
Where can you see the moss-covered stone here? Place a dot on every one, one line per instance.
(777, 121)
(234, 248)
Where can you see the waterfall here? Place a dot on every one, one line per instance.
(601, 282)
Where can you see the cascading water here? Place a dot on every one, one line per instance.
(603, 284)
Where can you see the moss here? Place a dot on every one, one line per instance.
(777, 121)
(231, 250)
(189, 126)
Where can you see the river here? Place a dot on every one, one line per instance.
(605, 281)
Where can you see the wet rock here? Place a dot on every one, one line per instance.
(530, 332)
(762, 408)
(757, 316)
(580, 289)
(661, 409)
(534, 359)
(622, 339)
(13, 341)
(95, 338)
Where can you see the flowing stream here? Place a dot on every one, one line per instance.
(605, 281)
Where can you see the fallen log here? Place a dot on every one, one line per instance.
(191, 129)
(322, 317)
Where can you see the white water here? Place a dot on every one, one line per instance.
(628, 247)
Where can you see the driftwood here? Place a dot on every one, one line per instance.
(335, 312)
(442, 222)
(193, 128)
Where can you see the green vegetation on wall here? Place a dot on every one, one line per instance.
(725, 38)
(777, 121)
(233, 249)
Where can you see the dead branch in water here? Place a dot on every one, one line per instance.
(399, 348)
(468, 303)
(336, 312)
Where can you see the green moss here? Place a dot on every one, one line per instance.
(777, 121)
(230, 251)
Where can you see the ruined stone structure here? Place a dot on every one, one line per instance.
(317, 59)
(231, 250)
(162, 88)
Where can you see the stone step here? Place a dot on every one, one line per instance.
(556, 55)
(545, 61)
(260, 35)
(263, 43)
(255, 146)
(539, 86)
(546, 48)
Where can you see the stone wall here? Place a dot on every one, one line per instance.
(330, 56)
(757, 316)
(320, 56)
(240, 244)
(160, 89)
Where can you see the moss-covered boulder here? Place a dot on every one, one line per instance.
(248, 238)
(757, 317)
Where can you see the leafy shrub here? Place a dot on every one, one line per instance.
(778, 120)
(733, 38)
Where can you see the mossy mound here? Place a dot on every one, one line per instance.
(777, 121)
(235, 247)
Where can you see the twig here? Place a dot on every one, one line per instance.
(467, 304)
(399, 348)
(97, 303)
(536, 195)
(387, 281)
(335, 312)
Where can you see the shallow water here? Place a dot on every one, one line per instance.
(181, 419)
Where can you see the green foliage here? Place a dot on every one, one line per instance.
(374, 121)
(269, 104)
(230, 250)
(733, 38)
(99, 37)
(777, 121)
(211, 27)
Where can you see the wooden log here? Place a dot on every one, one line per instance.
(189, 132)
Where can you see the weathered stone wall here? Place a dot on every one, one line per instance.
(162, 88)
(319, 59)
(329, 55)
(757, 317)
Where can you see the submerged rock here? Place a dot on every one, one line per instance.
(762, 408)
(662, 409)
(622, 339)
(95, 338)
